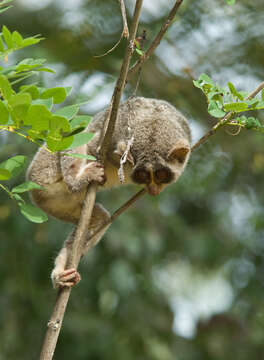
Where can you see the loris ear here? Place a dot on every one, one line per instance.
(120, 150)
(179, 152)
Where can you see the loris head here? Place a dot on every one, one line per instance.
(157, 172)
(161, 146)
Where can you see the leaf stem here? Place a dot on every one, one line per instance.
(7, 190)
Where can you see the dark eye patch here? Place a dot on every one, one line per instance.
(141, 176)
(162, 176)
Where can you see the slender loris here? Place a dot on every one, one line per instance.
(154, 136)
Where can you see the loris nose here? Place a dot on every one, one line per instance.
(154, 189)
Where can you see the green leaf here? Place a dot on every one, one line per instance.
(48, 103)
(4, 114)
(4, 2)
(46, 70)
(68, 90)
(68, 111)
(56, 142)
(36, 134)
(74, 131)
(59, 123)
(31, 41)
(26, 186)
(58, 126)
(31, 89)
(18, 198)
(7, 37)
(5, 87)
(252, 103)
(206, 84)
(236, 107)
(80, 120)
(260, 105)
(81, 139)
(58, 94)
(14, 165)
(140, 52)
(39, 117)
(215, 110)
(234, 91)
(20, 104)
(137, 44)
(262, 94)
(230, 2)
(29, 64)
(197, 84)
(252, 122)
(17, 38)
(33, 213)
(206, 79)
(19, 99)
(2, 48)
(80, 156)
(4, 174)
(245, 94)
(6, 8)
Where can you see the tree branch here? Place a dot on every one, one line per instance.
(55, 322)
(125, 32)
(167, 23)
(54, 325)
(93, 240)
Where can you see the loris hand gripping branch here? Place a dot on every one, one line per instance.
(156, 158)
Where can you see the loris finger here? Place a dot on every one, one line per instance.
(68, 277)
(95, 172)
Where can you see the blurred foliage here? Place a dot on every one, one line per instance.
(179, 276)
(27, 113)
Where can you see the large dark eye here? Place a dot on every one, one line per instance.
(162, 176)
(141, 176)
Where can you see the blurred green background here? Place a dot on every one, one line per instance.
(179, 276)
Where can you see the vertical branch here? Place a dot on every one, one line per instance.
(125, 32)
(111, 120)
(55, 323)
(167, 23)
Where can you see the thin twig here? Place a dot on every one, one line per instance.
(157, 39)
(213, 130)
(243, 126)
(124, 17)
(54, 325)
(125, 32)
(93, 239)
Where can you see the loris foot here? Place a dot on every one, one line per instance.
(95, 172)
(68, 277)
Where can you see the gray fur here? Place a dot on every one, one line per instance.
(158, 130)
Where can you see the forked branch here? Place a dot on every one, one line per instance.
(125, 32)
(167, 23)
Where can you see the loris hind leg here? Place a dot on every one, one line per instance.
(61, 276)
